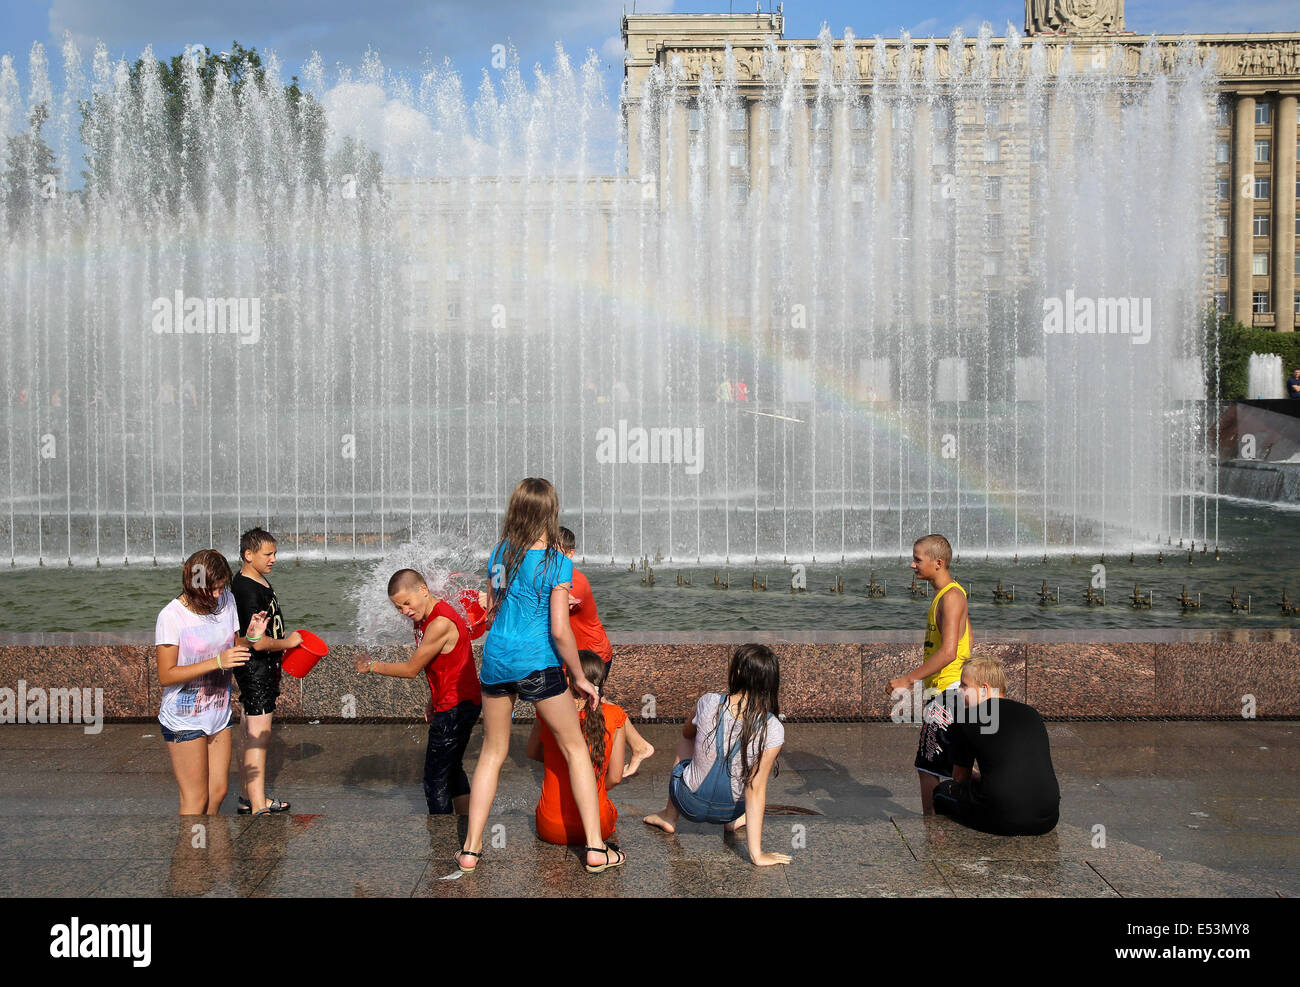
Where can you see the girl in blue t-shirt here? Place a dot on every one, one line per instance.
(524, 656)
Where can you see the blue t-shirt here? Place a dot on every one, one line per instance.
(519, 642)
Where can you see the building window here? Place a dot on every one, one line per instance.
(776, 156)
(940, 117)
(1037, 150)
(1220, 225)
(1222, 114)
(453, 310)
(1259, 302)
(1220, 265)
(1263, 114)
(739, 193)
(1259, 265)
(1261, 151)
(992, 115)
(991, 265)
(1223, 188)
(1221, 301)
(736, 155)
(1297, 303)
(739, 118)
(693, 116)
(860, 157)
(895, 117)
(941, 152)
(860, 117)
(993, 225)
(1263, 187)
(992, 150)
(858, 192)
(1297, 263)
(453, 271)
(821, 117)
(1221, 153)
(1261, 224)
(696, 152)
(992, 187)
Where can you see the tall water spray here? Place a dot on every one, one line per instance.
(793, 306)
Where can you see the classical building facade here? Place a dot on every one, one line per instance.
(1256, 267)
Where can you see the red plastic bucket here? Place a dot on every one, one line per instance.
(302, 659)
(466, 601)
(474, 614)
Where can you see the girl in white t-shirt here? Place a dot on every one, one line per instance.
(728, 751)
(196, 649)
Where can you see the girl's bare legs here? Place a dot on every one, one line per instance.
(218, 746)
(483, 786)
(666, 818)
(641, 749)
(190, 766)
(561, 716)
(252, 767)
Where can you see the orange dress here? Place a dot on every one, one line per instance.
(558, 820)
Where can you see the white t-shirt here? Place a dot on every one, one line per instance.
(706, 715)
(202, 703)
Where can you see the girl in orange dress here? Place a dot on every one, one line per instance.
(558, 820)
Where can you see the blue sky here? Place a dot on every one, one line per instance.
(407, 32)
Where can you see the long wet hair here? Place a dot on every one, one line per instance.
(533, 513)
(593, 727)
(755, 676)
(201, 575)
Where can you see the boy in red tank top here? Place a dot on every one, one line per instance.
(443, 653)
(590, 635)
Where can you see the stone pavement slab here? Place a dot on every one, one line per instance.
(1148, 809)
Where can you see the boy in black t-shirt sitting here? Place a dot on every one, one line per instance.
(259, 679)
(1015, 792)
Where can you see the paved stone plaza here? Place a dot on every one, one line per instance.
(1189, 808)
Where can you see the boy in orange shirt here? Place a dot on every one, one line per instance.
(591, 636)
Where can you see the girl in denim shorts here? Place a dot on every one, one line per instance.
(524, 656)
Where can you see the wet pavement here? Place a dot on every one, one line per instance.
(1148, 809)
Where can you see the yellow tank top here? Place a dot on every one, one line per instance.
(951, 672)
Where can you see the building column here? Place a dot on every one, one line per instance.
(1243, 206)
(1284, 203)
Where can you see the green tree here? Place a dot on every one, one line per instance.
(29, 170)
(177, 157)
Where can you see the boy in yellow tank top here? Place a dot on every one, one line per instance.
(947, 646)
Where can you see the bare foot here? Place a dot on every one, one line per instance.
(735, 824)
(630, 769)
(659, 822)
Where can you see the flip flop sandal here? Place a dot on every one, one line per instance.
(601, 868)
(245, 808)
(467, 853)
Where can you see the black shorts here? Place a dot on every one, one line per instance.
(933, 751)
(259, 683)
(536, 686)
(963, 801)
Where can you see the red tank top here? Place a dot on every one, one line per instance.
(452, 676)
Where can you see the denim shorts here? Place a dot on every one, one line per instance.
(541, 684)
(172, 737)
(693, 807)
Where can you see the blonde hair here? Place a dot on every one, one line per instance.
(935, 547)
(987, 670)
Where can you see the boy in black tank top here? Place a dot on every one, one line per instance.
(259, 679)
